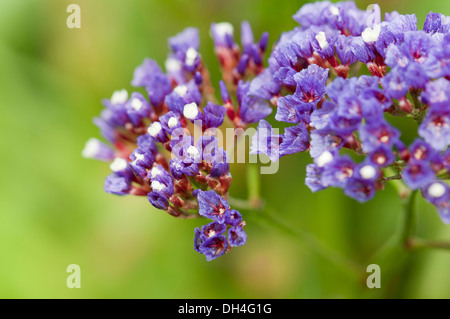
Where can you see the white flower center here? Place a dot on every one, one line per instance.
(139, 157)
(322, 39)
(192, 151)
(155, 171)
(324, 158)
(172, 122)
(91, 148)
(224, 28)
(158, 186)
(136, 104)
(436, 190)
(172, 65)
(334, 10)
(180, 90)
(119, 97)
(367, 172)
(119, 164)
(191, 55)
(190, 111)
(370, 35)
(154, 129)
(211, 233)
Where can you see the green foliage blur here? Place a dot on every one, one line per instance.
(53, 211)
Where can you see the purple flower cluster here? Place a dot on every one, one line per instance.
(308, 82)
(343, 119)
(226, 230)
(152, 151)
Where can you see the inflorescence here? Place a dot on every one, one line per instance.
(343, 121)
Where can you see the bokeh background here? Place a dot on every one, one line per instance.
(53, 211)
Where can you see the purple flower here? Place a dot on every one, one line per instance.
(116, 184)
(214, 115)
(170, 122)
(212, 247)
(377, 132)
(147, 144)
(311, 84)
(436, 22)
(221, 165)
(291, 109)
(222, 34)
(141, 161)
(264, 86)
(395, 84)
(213, 229)
(137, 108)
(157, 132)
(438, 193)
(382, 156)
(236, 236)
(418, 174)
(265, 141)
(150, 76)
(360, 189)
(437, 92)
(314, 177)
(295, 140)
(233, 218)
(213, 206)
(184, 40)
(338, 172)
(252, 109)
(98, 150)
(435, 128)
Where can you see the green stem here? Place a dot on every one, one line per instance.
(418, 243)
(254, 185)
(409, 221)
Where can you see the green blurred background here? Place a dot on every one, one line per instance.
(53, 208)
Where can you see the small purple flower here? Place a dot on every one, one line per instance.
(150, 76)
(338, 172)
(141, 161)
(236, 236)
(395, 84)
(233, 218)
(360, 189)
(213, 206)
(311, 84)
(382, 156)
(170, 122)
(98, 150)
(184, 40)
(438, 193)
(377, 132)
(436, 22)
(295, 140)
(435, 128)
(222, 34)
(213, 247)
(418, 174)
(314, 178)
(213, 229)
(291, 109)
(137, 108)
(264, 86)
(214, 115)
(265, 141)
(116, 184)
(252, 109)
